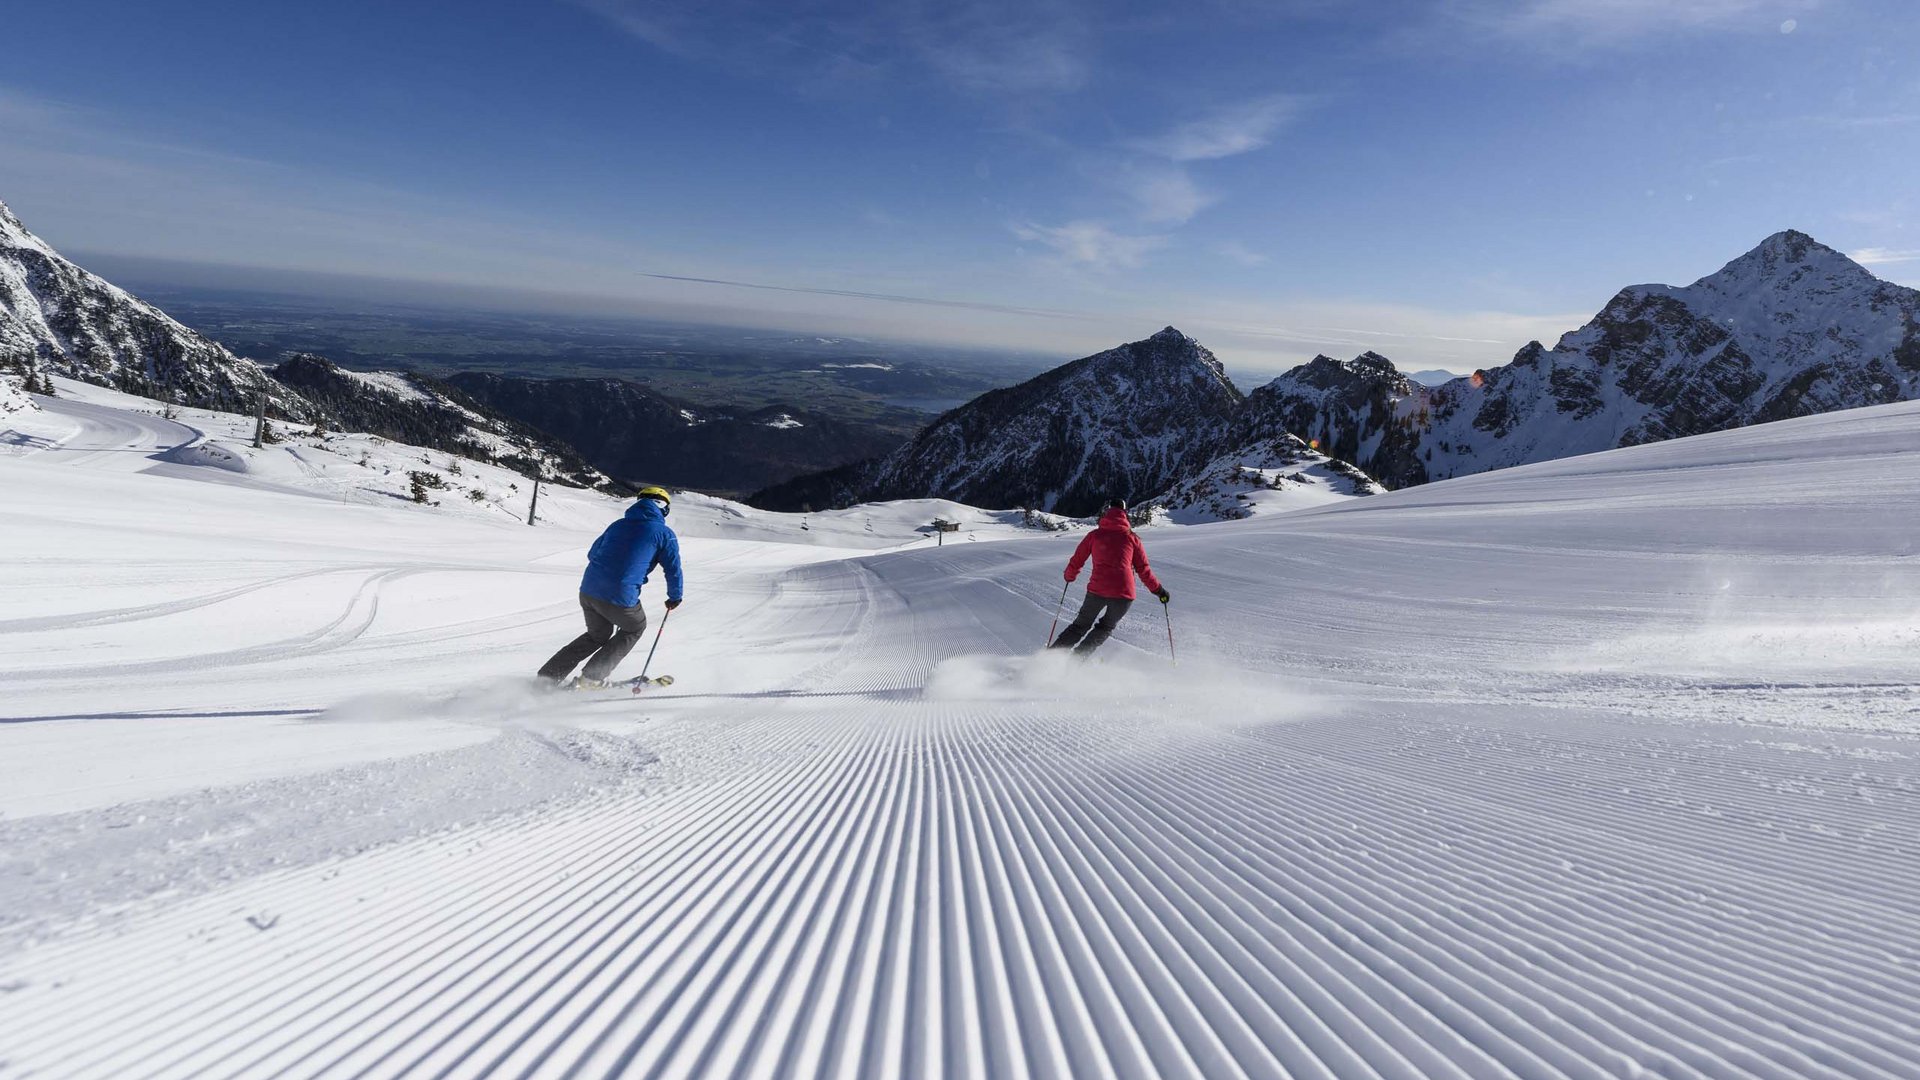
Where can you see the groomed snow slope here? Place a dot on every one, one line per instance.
(1602, 767)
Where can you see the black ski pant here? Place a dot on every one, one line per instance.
(1091, 628)
(612, 631)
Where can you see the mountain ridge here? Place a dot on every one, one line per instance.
(1129, 422)
(57, 317)
(419, 410)
(1789, 328)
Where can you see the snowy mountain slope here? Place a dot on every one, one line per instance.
(13, 397)
(869, 527)
(58, 317)
(102, 428)
(1791, 328)
(1264, 476)
(1355, 410)
(1596, 767)
(1125, 422)
(350, 467)
(422, 411)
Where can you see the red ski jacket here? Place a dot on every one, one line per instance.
(1117, 555)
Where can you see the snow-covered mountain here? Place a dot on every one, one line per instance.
(1789, 329)
(55, 316)
(1355, 410)
(1266, 475)
(412, 408)
(1129, 422)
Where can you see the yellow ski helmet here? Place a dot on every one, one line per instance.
(658, 494)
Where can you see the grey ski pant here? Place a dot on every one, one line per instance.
(612, 632)
(1091, 628)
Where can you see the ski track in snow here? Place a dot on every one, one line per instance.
(987, 892)
(877, 842)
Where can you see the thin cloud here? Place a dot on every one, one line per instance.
(1240, 253)
(1003, 46)
(1879, 256)
(1413, 337)
(1154, 174)
(1869, 121)
(88, 180)
(1618, 21)
(657, 27)
(1091, 244)
(896, 298)
(1163, 194)
(991, 47)
(1224, 132)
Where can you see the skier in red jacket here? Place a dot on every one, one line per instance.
(1117, 556)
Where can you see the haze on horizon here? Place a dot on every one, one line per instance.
(1437, 180)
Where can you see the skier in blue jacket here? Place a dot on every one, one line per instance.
(617, 565)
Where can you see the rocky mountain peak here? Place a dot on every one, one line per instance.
(57, 317)
(1359, 374)
(19, 242)
(1790, 328)
(1128, 421)
(1373, 363)
(1350, 408)
(1169, 354)
(1787, 260)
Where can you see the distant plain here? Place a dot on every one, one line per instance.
(890, 385)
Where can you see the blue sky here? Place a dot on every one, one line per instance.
(1439, 180)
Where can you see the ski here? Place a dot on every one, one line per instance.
(633, 685)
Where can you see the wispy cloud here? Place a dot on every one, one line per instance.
(1285, 333)
(1002, 46)
(993, 47)
(895, 298)
(1155, 172)
(1238, 252)
(1091, 244)
(93, 181)
(1879, 256)
(1162, 194)
(1223, 132)
(1857, 121)
(1619, 21)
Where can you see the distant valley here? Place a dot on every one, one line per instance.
(892, 386)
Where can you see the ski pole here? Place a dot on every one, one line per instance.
(656, 645)
(1167, 610)
(1058, 608)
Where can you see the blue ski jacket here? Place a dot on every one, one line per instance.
(619, 562)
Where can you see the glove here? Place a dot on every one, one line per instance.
(671, 604)
(1069, 575)
(1163, 595)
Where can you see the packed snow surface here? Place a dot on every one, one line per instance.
(1602, 767)
(391, 382)
(13, 399)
